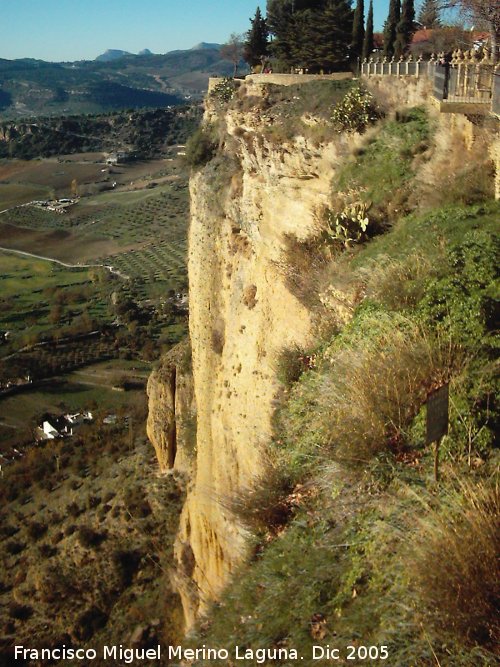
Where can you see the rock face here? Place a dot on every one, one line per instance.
(245, 206)
(172, 410)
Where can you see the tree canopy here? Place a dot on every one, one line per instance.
(358, 29)
(256, 46)
(429, 14)
(310, 33)
(485, 14)
(391, 26)
(368, 45)
(233, 50)
(405, 28)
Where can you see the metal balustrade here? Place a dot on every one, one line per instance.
(467, 78)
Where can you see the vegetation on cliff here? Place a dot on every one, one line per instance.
(353, 540)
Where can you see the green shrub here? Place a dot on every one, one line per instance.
(13, 548)
(200, 147)
(347, 227)
(126, 564)
(224, 91)
(88, 623)
(355, 111)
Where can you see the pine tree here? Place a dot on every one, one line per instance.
(310, 33)
(390, 27)
(405, 28)
(368, 41)
(256, 44)
(358, 30)
(429, 15)
(332, 35)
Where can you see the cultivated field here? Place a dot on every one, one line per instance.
(123, 244)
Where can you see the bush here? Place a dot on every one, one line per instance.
(266, 504)
(347, 227)
(13, 548)
(90, 538)
(224, 91)
(73, 509)
(136, 503)
(47, 550)
(454, 564)
(292, 362)
(355, 111)
(200, 148)
(88, 623)
(20, 612)
(35, 530)
(126, 564)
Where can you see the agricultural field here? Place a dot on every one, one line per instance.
(36, 295)
(103, 283)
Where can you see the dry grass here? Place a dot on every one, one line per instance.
(304, 264)
(374, 389)
(455, 564)
(396, 283)
(265, 505)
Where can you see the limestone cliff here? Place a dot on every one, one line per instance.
(172, 410)
(245, 205)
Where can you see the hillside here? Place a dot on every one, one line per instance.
(33, 87)
(333, 287)
(141, 134)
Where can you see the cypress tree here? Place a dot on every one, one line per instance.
(358, 30)
(256, 45)
(368, 41)
(428, 15)
(390, 27)
(405, 28)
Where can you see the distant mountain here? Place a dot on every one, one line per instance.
(37, 88)
(145, 52)
(205, 45)
(112, 54)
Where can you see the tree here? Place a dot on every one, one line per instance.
(310, 33)
(405, 28)
(368, 41)
(390, 27)
(333, 28)
(233, 50)
(429, 14)
(256, 45)
(484, 13)
(358, 30)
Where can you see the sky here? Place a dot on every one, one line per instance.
(66, 30)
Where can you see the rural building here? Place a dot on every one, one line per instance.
(53, 427)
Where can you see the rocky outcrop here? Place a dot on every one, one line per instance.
(245, 206)
(172, 411)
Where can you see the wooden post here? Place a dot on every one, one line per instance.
(436, 459)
